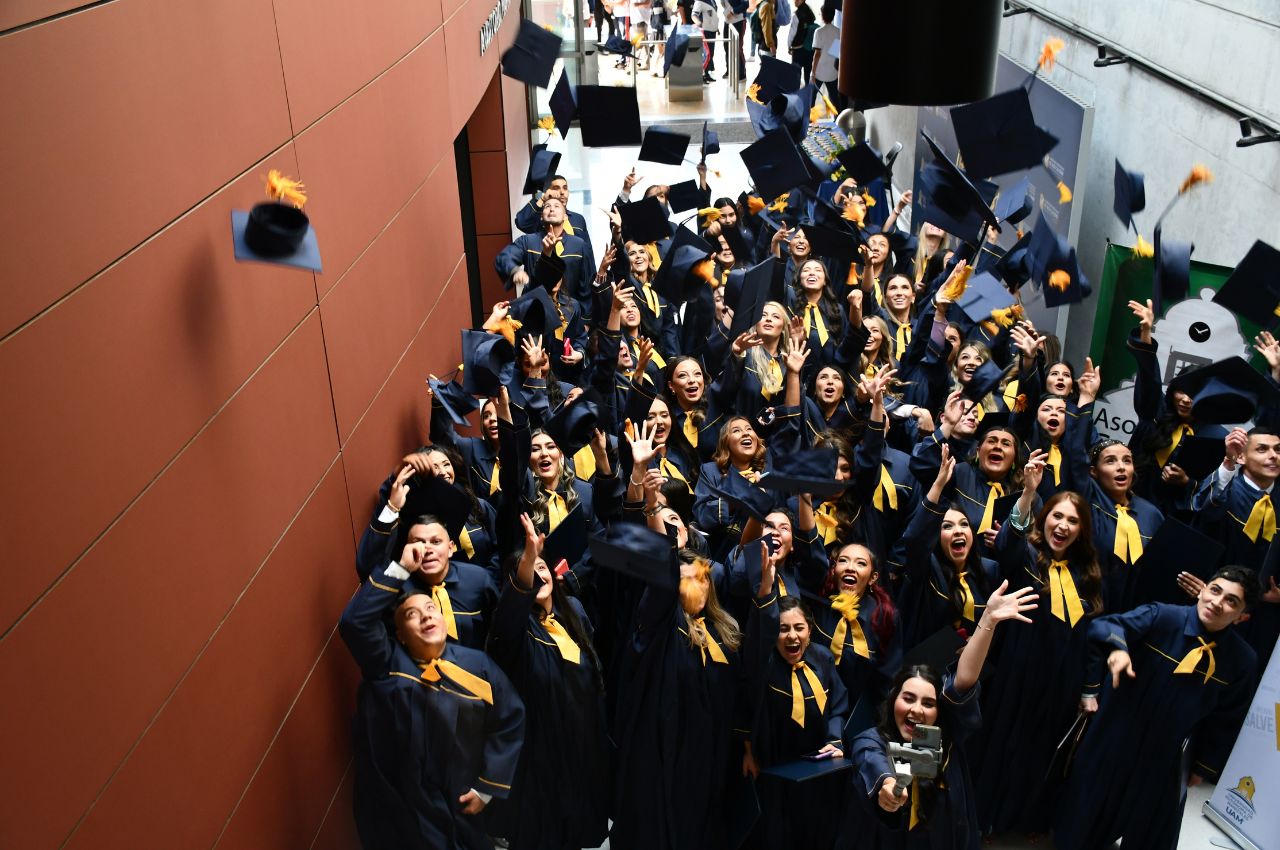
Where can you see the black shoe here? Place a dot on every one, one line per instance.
(706, 78)
(725, 75)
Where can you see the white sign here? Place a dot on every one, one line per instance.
(489, 30)
(1246, 802)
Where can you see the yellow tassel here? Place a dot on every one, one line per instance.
(958, 284)
(989, 325)
(1020, 403)
(636, 39)
(1064, 193)
(780, 203)
(1060, 280)
(709, 214)
(1143, 248)
(1003, 318)
(655, 259)
(817, 113)
(870, 201)
(548, 123)
(753, 93)
(854, 213)
(1049, 53)
(705, 271)
(281, 188)
(1199, 174)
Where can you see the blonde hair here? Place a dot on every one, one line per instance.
(884, 354)
(759, 359)
(647, 275)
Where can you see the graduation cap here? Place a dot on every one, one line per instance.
(998, 420)
(788, 111)
(984, 295)
(488, 363)
(830, 243)
(609, 116)
(808, 471)
(1198, 455)
(999, 135)
(568, 540)
(955, 203)
(684, 267)
(536, 313)
(737, 242)
(986, 379)
(547, 272)
(637, 552)
(456, 403)
(675, 51)
(1172, 272)
(684, 195)
(761, 283)
(542, 167)
(430, 495)
(1225, 392)
(1063, 282)
(572, 424)
(644, 221)
(276, 233)
(863, 163)
(663, 146)
(741, 493)
(710, 142)
(1176, 547)
(939, 650)
(1015, 203)
(1130, 194)
(532, 57)
(804, 769)
(564, 105)
(616, 44)
(776, 77)
(775, 164)
(1253, 289)
(1014, 268)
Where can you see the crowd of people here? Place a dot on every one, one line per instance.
(752, 505)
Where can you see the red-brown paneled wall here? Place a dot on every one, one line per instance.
(192, 445)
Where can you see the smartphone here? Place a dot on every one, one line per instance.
(771, 543)
(568, 348)
(817, 755)
(562, 568)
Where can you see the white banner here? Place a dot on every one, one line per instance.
(1246, 802)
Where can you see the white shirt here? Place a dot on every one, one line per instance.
(705, 15)
(826, 36)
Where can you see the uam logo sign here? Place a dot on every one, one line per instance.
(1239, 801)
(1193, 333)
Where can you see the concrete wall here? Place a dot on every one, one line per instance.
(192, 445)
(1229, 46)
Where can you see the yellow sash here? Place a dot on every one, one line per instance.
(849, 625)
(886, 489)
(441, 598)
(813, 319)
(996, 491)
(1162, 455)
(569, 650)
(494, 485)
(690, 430)
(1262, 520)
(708, 644)
(1128, 546)
(1055, 462)
(556, 511)
(464, 540)
(670, 470)
(431, 671)
(1064, 600)
(1191, 660)
(775, 372)
(797, 692)
(651, 298)
(584, 463)
(901, 339)
(967, 593)
(825, 516)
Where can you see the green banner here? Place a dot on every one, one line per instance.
(1192, 332)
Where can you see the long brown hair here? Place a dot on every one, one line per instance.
(725, 625)
(722, 456)
(1080, 553)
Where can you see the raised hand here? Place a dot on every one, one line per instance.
(1266, 345)
(946, 469)
(549, 241)
(1003, 606)
(1090, 381)
(400, 488)
(532, 347)
(629, 182)
(642, 448)
(797, 352)
(1033, 472)
(643, 355)
(745, 340)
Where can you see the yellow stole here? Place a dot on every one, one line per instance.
(849, 626)
(441, 597)
(432, 670)
(569, 650)
(797, 692)
(1065, 601)
(1191, 660)
(1162, 455)
(1262, 520)
(1128, 546)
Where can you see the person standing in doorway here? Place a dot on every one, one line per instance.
(803, 25)
(708, 20)
(825, 70)
(735, 17)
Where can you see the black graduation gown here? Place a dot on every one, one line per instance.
(925, 597)
(1121, 581)
(674, 730)
(969, 487)
(1127, 779)
(791, 813)
(560, 796)
(1030, 702)
(478, 454)
(421, 745)
(951, 823)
